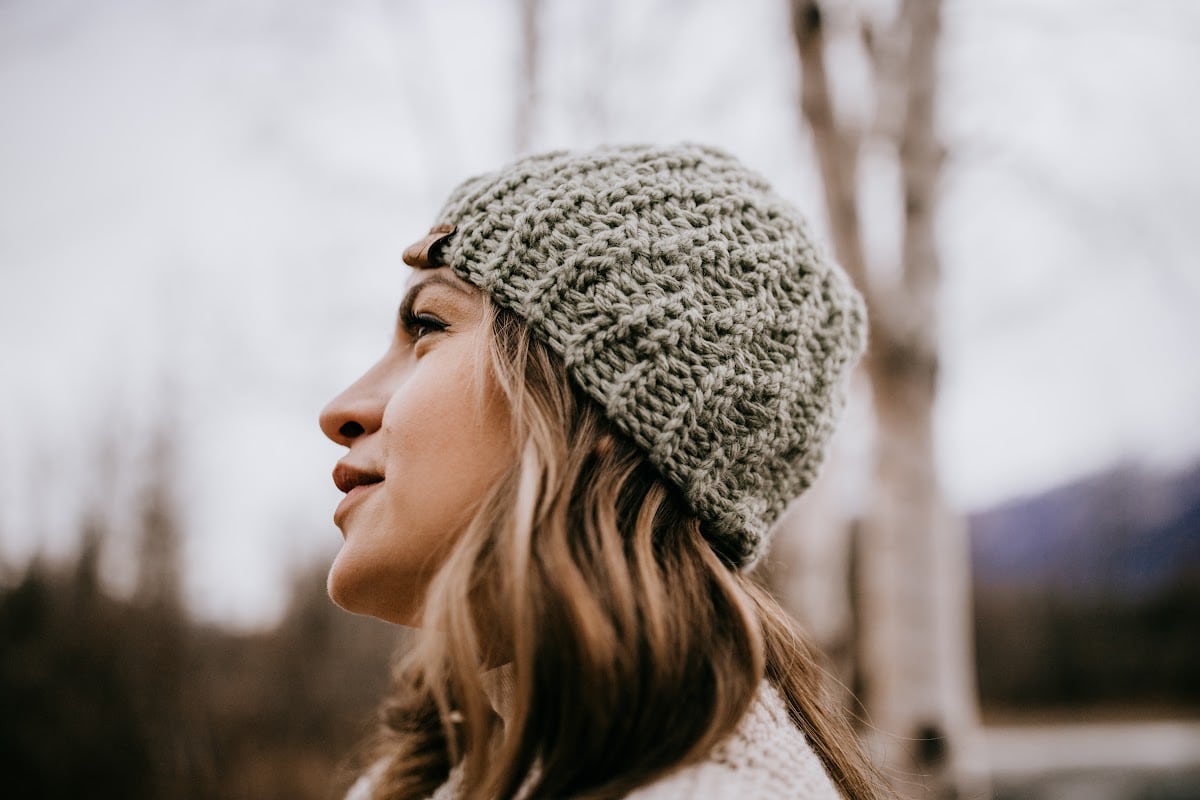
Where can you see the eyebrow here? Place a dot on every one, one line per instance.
(410, 299)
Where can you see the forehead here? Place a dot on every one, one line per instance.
(443, 276)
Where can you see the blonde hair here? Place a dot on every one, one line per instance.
(633, 646)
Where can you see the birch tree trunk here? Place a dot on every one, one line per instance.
(914, 647)
(527, 80)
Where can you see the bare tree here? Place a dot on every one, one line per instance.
(913, 644)
(527, 80)
(160, 546)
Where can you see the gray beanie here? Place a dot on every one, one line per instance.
(687, 299)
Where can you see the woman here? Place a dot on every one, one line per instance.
(611, 372)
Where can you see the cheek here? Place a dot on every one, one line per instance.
(442, 452)
(446, 445)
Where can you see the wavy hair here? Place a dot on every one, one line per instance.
(633, 646)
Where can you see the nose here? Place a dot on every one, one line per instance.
(357, 411)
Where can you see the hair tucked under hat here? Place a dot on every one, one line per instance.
(685, 297)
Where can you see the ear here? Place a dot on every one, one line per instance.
(423, 254)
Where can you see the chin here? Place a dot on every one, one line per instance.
(347, 586)
(341, 590)
(352, 590)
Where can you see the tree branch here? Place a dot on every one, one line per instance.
(528, 82)
(921, 157)
(836, 148)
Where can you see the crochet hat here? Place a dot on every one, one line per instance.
(687, 299)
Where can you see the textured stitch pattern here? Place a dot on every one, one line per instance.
(765, 758)
(685, 297)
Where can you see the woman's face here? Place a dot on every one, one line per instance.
(426, 442)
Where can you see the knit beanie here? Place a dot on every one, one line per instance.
(687, 299)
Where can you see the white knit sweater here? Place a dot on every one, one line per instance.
(765, 758)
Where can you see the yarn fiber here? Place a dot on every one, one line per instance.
(687, 299)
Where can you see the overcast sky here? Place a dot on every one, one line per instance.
(203, 205)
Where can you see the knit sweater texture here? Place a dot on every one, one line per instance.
(765, 758)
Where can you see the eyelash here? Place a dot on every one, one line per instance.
(418, 326)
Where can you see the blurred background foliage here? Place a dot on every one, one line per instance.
(1080, 615)
(1088, 597)
(129, 698)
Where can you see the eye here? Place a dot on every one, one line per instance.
(418, 326)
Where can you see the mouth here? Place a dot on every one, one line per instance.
(348, 478)
(355, 483)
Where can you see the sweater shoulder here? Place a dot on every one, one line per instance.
(765, 757)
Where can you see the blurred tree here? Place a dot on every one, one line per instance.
(160, 536)
(88, 711)
(156, 668)
(527, 94)
(69, 727)
(913, 647)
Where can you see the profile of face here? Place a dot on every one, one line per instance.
(428, 434)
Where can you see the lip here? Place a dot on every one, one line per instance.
(347, 476)
(352, 499)
(355, 482)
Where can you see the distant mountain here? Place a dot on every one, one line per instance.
(1128, 530)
